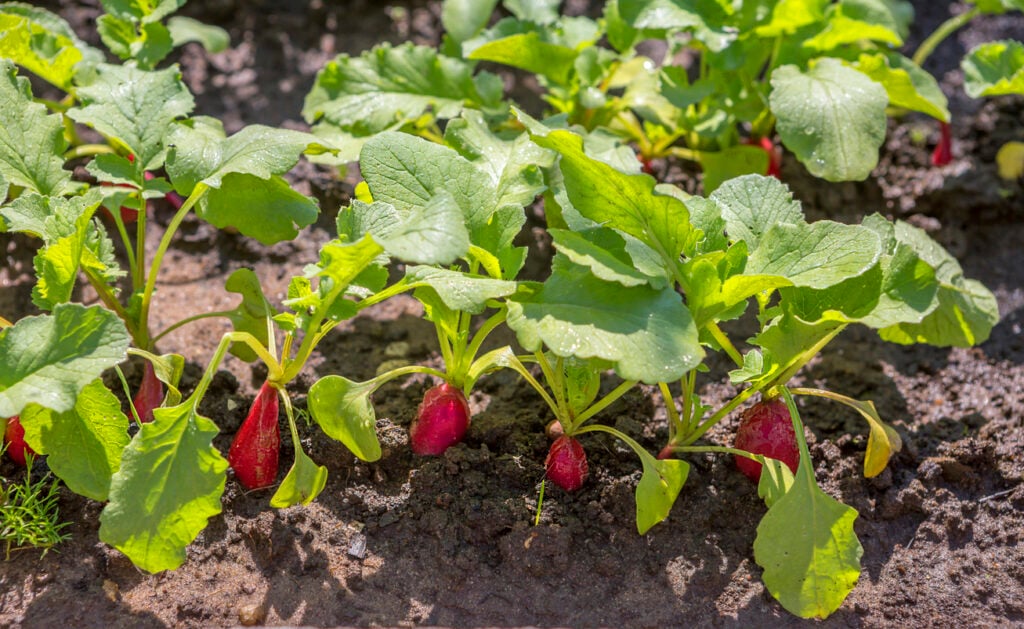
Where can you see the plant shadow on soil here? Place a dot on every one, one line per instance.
(450, 540)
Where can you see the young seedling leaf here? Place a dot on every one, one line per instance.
(31, 141)
(84, 444)
(648, 334)
(304, 482)
(267, 209)
(48, 359)
(168, 369)
(168, 487)
(994, 68)
(660, 484)
(806, 543)
(832, 117)
(536, 11)
(391, 85)
(250, 315)
(135, 107)
(776, 479)
(706, 19)
(344, 411)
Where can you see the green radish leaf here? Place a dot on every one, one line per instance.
(49, 218)
(109, 168)
(909, 290)
(57, 264)
(832, 117)
(536, 11)
(268, 210)
(152, 45)
(118, 35)
(648, 334)
(625, 202)
(168, 487)
(431, 234)
(343, 410)
(391, 85)
(706, 19)
(784, 342)
(806, 543)
(201, 154)
(304, 482)
(460, 291)
(604, 252)
(994, 68)
(141, 11)
(582, 382)
(408, 172)
(734, 161)
(657, 490)
(463, 19)
(790, 15)
(999, 6)
(513, 163)
(528, 51)
(966, 311)
(776, 479)
(841, 30)
(184, 29)
(907, 85)
(752, 204)
(250, 315)
(49, 359)
(495, 249)
(84, 444)
(816, 255)
(36, 46)
(31, 141)
(136, 107)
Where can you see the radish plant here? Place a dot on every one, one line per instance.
(748, 243)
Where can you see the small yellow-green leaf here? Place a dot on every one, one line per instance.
(657, 490)
(344, 411)
(1010, 160)
(302, 485)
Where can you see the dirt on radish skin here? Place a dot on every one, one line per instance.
(256, 449)
(766, 428)
(441, 421)
(566, 463)
(14, 437)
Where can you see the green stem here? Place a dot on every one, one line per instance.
(4, 323)
(111, 302)
(398, 287)
(606, 401)
(489, 326)
(805, 357)
(675, 422)
(87, 150)
(692, 155)
(726, 344)
(384, 378)
(290, 414)
(128, 394)
(719, 449)
(158, 256)
(944, 30)
(629, 441)
(187, 320)
(123, 231)
(537, 386)
(555, 381)
(705, 426)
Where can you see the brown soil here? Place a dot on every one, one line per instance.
(450, 540)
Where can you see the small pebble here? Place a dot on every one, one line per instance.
(252, 615)
(357, 548)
